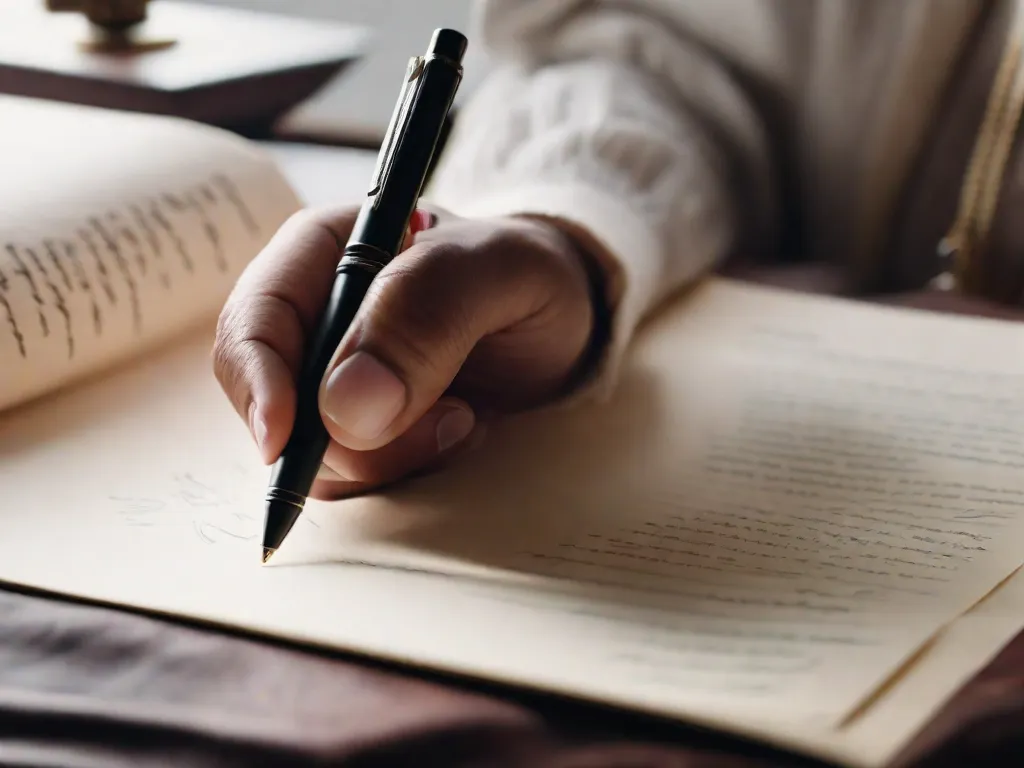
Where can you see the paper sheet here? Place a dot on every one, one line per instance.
(117, 231)
(955, 656)
(788, 498)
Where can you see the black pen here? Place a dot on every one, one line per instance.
(405, 156)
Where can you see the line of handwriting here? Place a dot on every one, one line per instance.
(100, 264)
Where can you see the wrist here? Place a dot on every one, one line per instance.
(599, 271)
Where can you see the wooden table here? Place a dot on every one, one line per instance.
(233, 68)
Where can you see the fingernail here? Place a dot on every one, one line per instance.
(421, 220)
(453, 428)
(363, 397)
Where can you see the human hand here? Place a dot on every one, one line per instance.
(474, 318)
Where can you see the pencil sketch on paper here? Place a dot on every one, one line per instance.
(196, 502)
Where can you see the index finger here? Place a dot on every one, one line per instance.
(273, 307)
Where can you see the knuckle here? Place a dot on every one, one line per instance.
(300, 227)
(231, 365)
(526, 250)
(311, 232)
(412, 344)
(518, 257)
(245, 327)
(229, 369)
(307, 232)
(267, 317)
(417, 311)
(224, 343)
(300, 219)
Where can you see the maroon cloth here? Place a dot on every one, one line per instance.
(87, 687)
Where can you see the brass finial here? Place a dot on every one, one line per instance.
(115, 25)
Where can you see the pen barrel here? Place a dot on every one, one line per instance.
(385, 215)
(376, 239)
(301, 459)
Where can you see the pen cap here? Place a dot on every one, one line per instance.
(405, 157)
(449, 44)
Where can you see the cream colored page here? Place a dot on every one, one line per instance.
(818, 488)
(881, 733)
(117, 231)
(467, 571)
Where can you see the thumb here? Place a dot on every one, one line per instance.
(420, 320)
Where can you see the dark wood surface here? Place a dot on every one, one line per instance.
(228, 67)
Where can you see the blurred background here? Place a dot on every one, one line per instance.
(359, 102)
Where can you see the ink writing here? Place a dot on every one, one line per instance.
(12, 322)
(68, 288)
(199, 503)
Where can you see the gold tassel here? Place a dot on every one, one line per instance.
(979, 194)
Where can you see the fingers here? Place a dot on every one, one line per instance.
(462, 290)
(264, 323)
(273, 308)
(443, 431)
(420, 320)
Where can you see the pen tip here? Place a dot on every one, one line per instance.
(281, 515)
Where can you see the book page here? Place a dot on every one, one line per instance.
(948, 663)
(789, 498)
(117, 231)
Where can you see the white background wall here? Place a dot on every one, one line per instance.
(400, 28)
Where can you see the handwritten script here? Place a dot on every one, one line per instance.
(103, 263)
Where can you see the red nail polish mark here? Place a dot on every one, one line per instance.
(421, 220)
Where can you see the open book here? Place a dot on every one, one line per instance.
(798, 520)
(117, 232)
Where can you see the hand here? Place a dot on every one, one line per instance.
(473, 318)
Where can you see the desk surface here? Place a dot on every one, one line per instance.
(211, 45)
(227, 66)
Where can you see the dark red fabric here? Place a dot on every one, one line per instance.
(87, 687)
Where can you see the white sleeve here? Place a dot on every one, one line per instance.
(634, 138)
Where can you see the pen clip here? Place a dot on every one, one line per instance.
(396, 128)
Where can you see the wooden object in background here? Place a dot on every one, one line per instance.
(237, 69)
